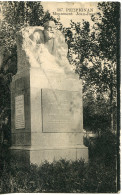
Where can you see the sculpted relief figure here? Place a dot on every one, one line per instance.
(46, 48)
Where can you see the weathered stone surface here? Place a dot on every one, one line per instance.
(52, 96)
(61, 111)
(25, 155)
(36, 49)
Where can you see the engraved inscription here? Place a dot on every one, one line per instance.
(19, 112)
(61, 111)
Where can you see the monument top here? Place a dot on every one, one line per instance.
(43, 47)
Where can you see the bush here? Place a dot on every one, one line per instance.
(104, 148)
(96, 176)
(61, 176)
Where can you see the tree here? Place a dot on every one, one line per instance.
(16, 15)
(93, 50)
(109, 40)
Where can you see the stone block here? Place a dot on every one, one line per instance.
(47, 124)
(56, 139)
(38, 156)
(61, 111)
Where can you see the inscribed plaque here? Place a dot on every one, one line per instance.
(19, 112)
(61, 111)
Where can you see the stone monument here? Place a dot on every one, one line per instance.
(46, 99)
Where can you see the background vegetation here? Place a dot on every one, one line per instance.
(94, 51)
(61, 177)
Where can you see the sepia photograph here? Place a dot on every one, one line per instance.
(59, 97)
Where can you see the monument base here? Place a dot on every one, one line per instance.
(35, 155)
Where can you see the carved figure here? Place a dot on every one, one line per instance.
(46, 48)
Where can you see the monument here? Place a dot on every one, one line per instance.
(46, 99)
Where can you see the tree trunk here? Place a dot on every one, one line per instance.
(111, 105)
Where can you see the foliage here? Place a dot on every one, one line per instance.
(96, 176)
(109, 28)
(58, 177)
(93, 51)
(104, 148)
(16, 15)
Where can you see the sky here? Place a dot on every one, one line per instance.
(77, 11)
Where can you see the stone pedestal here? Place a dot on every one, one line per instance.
(46, 115)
